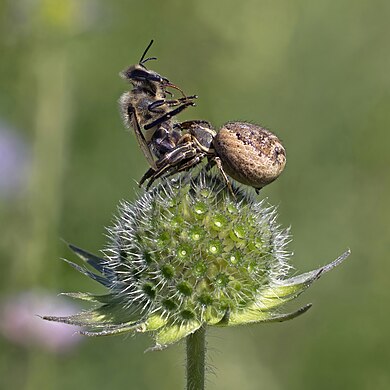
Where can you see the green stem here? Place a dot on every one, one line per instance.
(196, 357)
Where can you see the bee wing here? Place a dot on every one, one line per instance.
(130, 120)
(142, 142)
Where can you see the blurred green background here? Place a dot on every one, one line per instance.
(315, 72)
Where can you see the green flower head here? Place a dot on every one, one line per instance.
(189, 254)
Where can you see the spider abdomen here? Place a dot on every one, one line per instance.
(249, 153)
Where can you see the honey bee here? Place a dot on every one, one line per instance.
(147, 110)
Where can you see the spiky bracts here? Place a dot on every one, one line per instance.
(188, 254)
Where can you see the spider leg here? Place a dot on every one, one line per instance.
(224, 175)
(148, 174)
(170, 157)
(186, 125)
(180, 153)
(190, 163)
(171, 170)
(184, 139)
(170, 161)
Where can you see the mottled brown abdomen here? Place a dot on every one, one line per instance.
(249, 153)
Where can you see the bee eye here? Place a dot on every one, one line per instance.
(141, 75)
(137, 74)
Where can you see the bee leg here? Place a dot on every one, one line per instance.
(168, 115)
(223, 173)
(170, 103)
(156, 104)
(187, 98)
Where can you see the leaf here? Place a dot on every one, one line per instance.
(171, 334)
(254, 316)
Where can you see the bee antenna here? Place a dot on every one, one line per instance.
(141, 61)
(177, 88)
(148, 59)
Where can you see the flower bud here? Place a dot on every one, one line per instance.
(187, 254)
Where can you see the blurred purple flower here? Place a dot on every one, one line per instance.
(14, 161)
(21, 325)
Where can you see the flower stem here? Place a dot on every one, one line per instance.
(196, 357)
